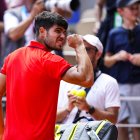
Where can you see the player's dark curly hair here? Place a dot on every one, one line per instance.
(47, 20)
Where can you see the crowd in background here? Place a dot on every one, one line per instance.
(121, 51)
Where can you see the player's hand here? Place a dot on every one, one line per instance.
(74, 40)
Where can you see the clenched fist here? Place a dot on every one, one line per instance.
(74, 40)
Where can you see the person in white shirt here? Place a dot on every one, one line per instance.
(19, 24)
(102, 100)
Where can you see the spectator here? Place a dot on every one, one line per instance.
(31, 76)
(103, 27)
(14, 3)
(122, 54)
(2, 9)
(20, 30)
(102, 100)
(139, 15)
(110, 20)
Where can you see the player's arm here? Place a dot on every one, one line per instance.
(82, 74)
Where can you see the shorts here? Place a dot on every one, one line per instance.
(129, 109)
(124, 111)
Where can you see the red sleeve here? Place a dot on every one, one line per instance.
(56, 66)
(64, 67)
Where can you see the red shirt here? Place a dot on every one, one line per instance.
(33, 76)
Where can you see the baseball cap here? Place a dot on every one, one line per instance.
(94, 41)
(125, 3)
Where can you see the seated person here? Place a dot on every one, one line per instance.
(102, 100)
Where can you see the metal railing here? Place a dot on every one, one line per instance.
(127, 98)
